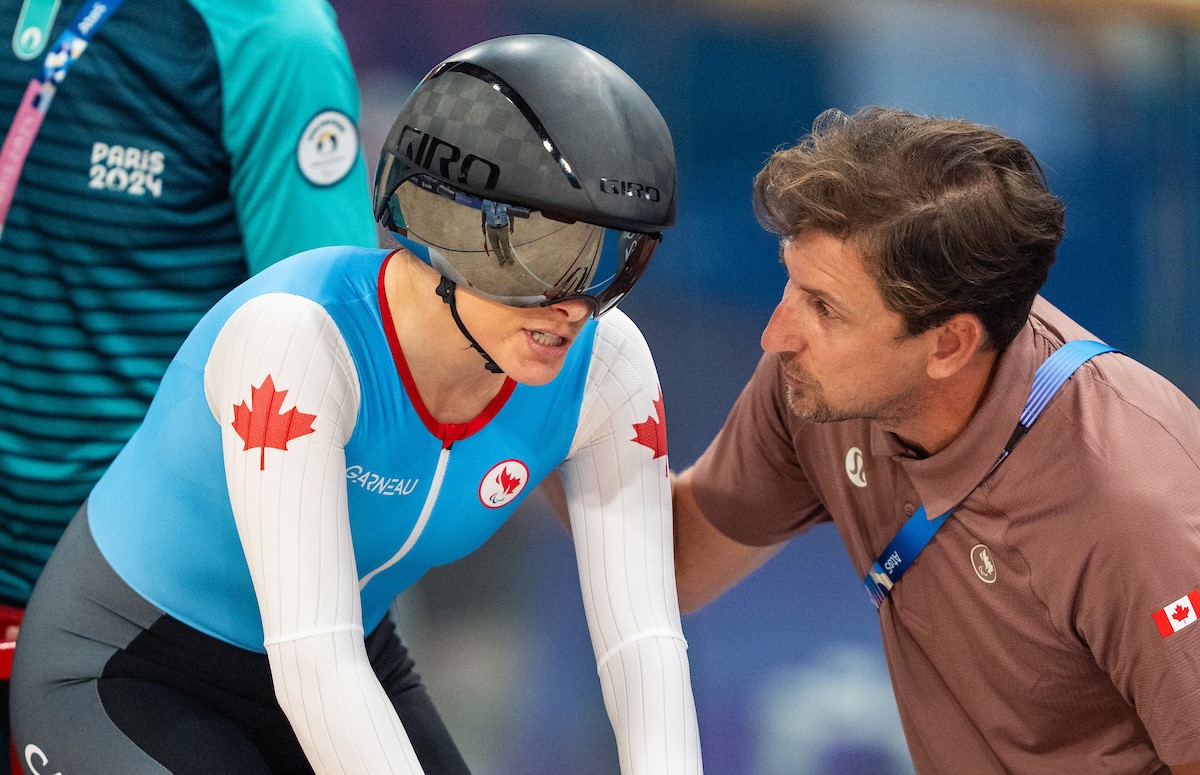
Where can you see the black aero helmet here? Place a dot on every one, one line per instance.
(511, 160)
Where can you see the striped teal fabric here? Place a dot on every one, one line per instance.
(146, 196)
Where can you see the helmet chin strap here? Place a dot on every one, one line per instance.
(445, 289)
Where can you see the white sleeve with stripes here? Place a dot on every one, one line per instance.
(291, 513)
(619, 499)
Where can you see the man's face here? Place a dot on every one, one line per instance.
(844, 354)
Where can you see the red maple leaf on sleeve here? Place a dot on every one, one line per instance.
(652, 432)
(264, 425)
(507, 482)
(1181, 613)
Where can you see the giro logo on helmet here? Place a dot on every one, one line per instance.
(626, 188)
(424, 150)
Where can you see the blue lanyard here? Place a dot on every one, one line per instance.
(40, 92)
(70, 46)
(918, 531)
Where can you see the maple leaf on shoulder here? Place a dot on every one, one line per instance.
(652, 432)
(1181, 613)
(264, 425)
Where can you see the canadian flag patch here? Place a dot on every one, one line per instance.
(1175, 616)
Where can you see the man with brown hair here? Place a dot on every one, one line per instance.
(1047, 625)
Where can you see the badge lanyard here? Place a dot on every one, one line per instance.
(40, 92)
(918, 531)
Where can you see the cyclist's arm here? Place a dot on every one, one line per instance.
(619, 500)
(288, 491)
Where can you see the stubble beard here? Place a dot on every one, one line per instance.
(810, 405)
(806, 399)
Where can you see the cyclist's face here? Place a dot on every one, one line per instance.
(528, 343)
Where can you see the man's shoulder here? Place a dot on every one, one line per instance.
(1052, 323)
(1139, 387)
(1118, 381)
(1116, 438)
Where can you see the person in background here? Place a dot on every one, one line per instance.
(349, 418)
(156, 154)
(1022, 503)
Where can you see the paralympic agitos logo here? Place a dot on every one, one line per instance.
(503, 483)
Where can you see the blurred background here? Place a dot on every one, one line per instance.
(788, 670)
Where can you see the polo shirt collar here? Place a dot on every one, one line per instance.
(945, 479)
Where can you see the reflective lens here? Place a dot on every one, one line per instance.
(518, 256)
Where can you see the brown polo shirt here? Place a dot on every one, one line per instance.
(1025, 638)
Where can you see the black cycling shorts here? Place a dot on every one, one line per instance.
(106, 683)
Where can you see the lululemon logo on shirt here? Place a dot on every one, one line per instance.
(981, 561)
(502, 483)
(328, 147)
(856, 467)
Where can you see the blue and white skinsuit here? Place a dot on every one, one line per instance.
(288, 482)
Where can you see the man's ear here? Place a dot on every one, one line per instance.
(955, 343)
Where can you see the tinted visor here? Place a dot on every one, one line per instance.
(514, 255)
